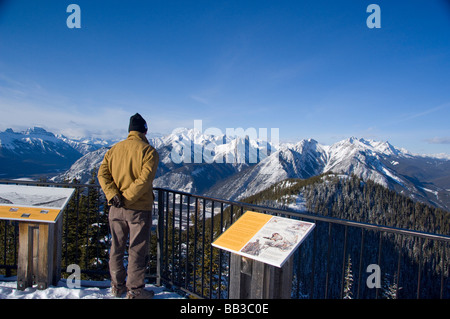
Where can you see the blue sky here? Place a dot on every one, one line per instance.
(313, 69)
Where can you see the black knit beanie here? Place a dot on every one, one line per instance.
(137, 123)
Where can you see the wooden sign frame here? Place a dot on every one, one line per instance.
(38, 211)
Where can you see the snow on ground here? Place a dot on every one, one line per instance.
(88, 290)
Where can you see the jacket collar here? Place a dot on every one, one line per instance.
(135, 135)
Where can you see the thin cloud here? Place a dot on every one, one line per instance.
(409, 117)
(426, 112)
(438, 140)
(199, 99)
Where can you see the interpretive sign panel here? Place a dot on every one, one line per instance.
(33, 203)
(266, 238)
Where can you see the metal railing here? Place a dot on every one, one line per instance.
(335, 256)
(333, 262)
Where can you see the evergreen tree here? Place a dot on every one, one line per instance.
(390, 289)
(348, 280)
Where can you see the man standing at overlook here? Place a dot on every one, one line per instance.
(126, 177)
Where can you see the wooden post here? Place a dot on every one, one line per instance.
(251, 279)
(57, 250)
(25, 258)
(39, 260)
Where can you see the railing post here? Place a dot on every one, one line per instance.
(160, 236)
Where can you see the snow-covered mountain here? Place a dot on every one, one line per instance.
(86, 145)
(234, 167)
(82, 169)
(422, 178)
(302, 160)
(37, 152)
(207, 160)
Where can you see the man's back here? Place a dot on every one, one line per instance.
(129, 168)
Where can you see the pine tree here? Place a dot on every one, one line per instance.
(96, 252)
(390, 289)
(348, 280)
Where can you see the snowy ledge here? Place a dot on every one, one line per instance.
(88, 290)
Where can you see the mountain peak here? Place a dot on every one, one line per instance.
(307, 145)
(384, 148)
(38, 131)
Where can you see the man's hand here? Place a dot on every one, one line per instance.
(117, 201)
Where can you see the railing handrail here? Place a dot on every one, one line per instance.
(335, 220)
(289, 212)
(26, 182)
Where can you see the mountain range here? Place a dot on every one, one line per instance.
(232, 167)
(37, 152)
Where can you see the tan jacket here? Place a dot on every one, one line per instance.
(129, 168)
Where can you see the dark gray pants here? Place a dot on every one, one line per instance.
(135, 225)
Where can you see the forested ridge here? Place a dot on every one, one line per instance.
(348, 197)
